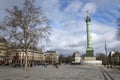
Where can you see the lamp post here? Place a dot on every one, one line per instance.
(106, 54)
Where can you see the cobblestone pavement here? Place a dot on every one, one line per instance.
(114, 73)
(64, 72)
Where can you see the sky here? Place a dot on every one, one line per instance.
(67, 19)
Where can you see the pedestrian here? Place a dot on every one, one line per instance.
(45, 64)
(56, 64)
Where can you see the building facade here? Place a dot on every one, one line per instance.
(76, 57)
(51, 57)
(114, 58)
(15, 54)
(35, 56)
(3, 50)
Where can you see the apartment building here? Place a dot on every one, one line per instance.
(51, 57)
(35, 56)
(3, 50)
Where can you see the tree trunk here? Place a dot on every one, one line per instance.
(26, 62)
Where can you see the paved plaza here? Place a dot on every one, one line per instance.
(64, 72)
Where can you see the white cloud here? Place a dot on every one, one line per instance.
(66, 40)
(74, 7)
(105, 3)
(71, 36)
(52, 10)
(69, 31)
(89, 6)
(102, 33)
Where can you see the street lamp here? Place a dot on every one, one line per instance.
(106, 54)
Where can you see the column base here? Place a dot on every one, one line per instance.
(90, 52)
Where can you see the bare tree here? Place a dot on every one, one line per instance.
(61, 58)
(25, 26)
(101, 56)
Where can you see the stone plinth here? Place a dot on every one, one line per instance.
(91, 61)
(89, 58)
